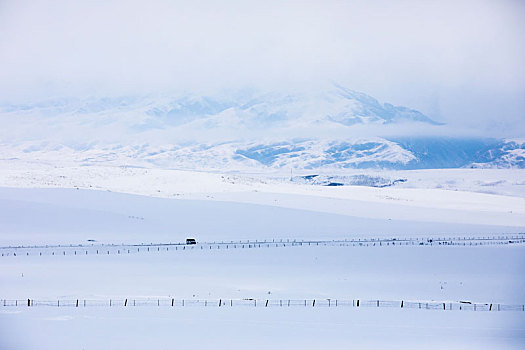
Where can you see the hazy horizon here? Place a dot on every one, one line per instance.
(460, 63)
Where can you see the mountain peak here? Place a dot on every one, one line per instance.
(228, 116)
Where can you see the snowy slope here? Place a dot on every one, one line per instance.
(242, 130)
(509, 154)
(243, 109)
(358, 153)
(426, 195)
(483, 274)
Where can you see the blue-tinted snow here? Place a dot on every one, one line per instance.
(67, 216)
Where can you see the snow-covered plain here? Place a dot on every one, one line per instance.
(45, 204)
(466, 196)
(213, 328)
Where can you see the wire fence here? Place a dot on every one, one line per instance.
(107, 249)
(260, 303)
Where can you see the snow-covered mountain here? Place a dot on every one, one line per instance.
(508, 154)
(238, 131)
(335, 104)
(410, 153)
(190, 117)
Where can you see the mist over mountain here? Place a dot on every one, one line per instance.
(247, 129)
(229, 115)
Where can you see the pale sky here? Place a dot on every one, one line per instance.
(460, 62)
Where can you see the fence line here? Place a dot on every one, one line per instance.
(106, 249)
(258, 303)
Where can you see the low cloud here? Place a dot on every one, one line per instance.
(460, 62)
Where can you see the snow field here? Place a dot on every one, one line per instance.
(445, 273)
(66, 216)
(52, 216)
(453, 196)
(242, 328)
(478, 274)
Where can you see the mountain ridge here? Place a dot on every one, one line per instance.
(378, 153)
(255, 109)
(245, 130)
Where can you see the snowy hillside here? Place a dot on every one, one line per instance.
(239, 109)
(331, 128)
(510, 154)
(362, 153)
(235, 116)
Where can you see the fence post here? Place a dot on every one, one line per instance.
(76, 305)
(357, 302)
(401, 303)
(444, 306)
(126, 302)
(313, 304)
(490, 307)
(266, 303)
(220, 302)
(172, 301)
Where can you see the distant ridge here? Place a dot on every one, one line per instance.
(243, 130)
